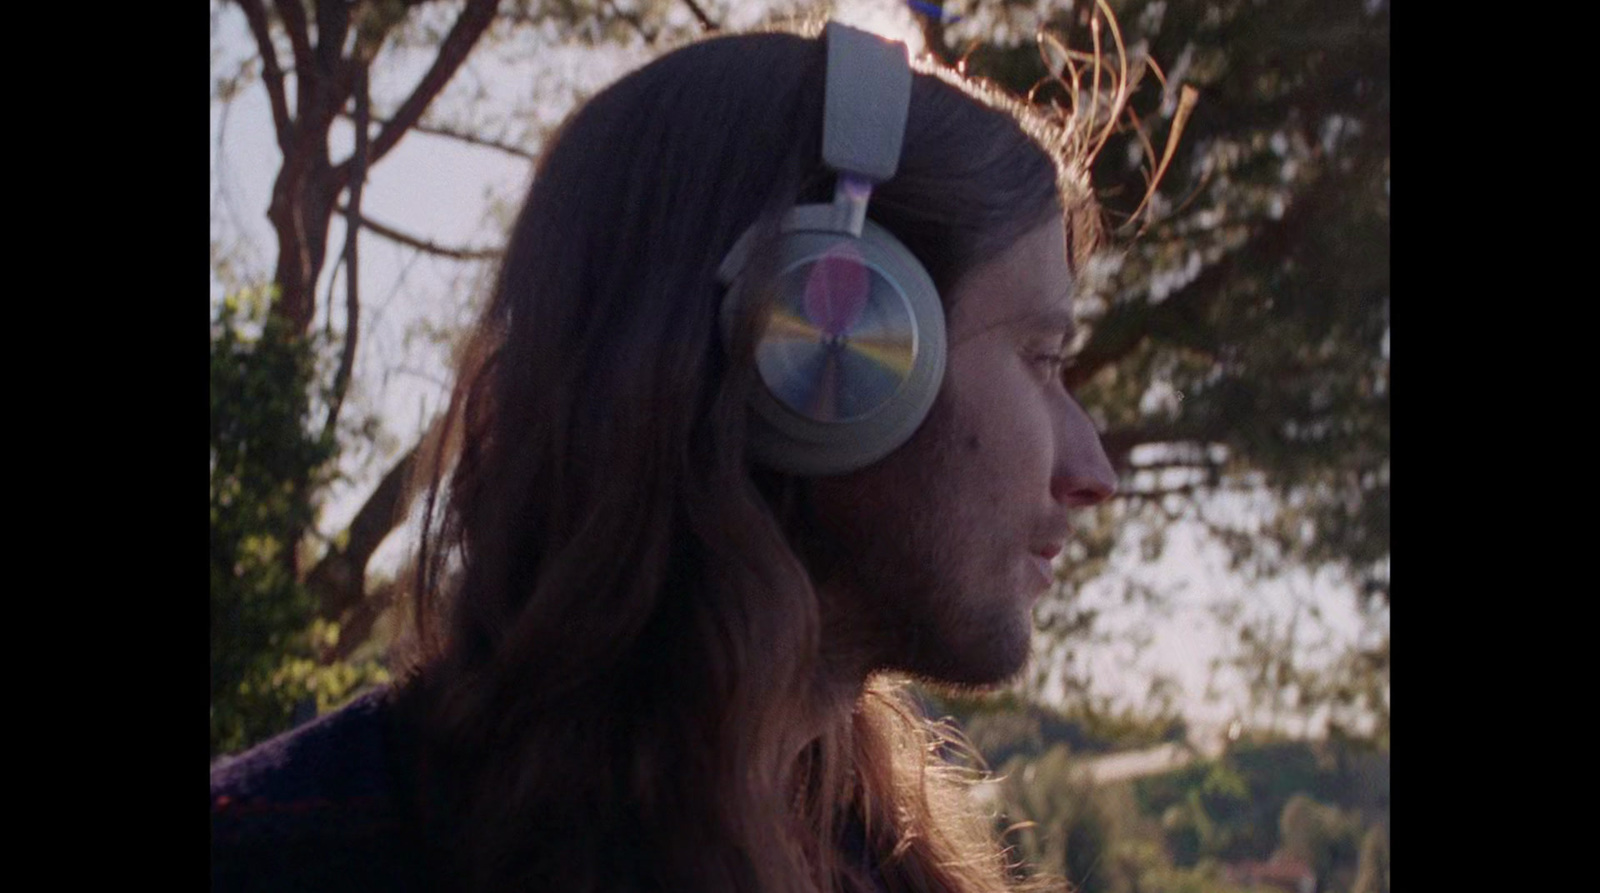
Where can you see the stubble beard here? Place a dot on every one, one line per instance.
(916, 590)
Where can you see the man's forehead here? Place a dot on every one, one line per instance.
(1028, 287)
(1057, 317)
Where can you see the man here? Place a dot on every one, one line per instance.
(765, 409)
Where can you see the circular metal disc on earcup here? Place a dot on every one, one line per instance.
(841, 340)
(852, 353)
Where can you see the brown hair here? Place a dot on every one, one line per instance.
(621, 641)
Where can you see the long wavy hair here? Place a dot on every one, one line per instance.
(621, 643)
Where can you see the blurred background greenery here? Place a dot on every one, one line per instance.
(1236, 356)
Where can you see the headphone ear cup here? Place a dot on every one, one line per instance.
(851, 354)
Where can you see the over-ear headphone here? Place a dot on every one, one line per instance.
(852, 355)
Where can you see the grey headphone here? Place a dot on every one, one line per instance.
(853, 353)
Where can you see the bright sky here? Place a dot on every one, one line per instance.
(450, 193)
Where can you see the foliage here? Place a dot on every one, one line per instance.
(1061, 823)
(1348, 692)
(1002, 725)
(1358, 687)
(1192, 829)
(1233, 807)
(1322, 836)
(266, 464)
(1243, 341)
(1205, 877)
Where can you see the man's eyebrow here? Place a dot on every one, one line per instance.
(1054, 318)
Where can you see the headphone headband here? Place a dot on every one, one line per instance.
(851, 353)
(868, 97)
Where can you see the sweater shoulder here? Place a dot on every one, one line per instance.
(317, 808)
(341, 756)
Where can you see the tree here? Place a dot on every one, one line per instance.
(269, 457)
(1243, 343)
(319, 63)
(333, 50)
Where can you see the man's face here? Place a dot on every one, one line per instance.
(945, 544)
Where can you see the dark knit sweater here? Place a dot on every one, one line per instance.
(331, 806)
(321, 807)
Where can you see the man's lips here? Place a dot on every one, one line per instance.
(1042, 562)
(1045, 549)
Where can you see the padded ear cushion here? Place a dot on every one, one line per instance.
(852, 353)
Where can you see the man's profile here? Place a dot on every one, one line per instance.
(764, 409)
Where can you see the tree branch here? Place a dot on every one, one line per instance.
(1157, 493)
(468, 138)
(338, 580)
(423, 245)
(634, 20)
(294, 22)
(1120, 442)
(700, 15)
(271, 72)
(352, 266)
(336, 75)
(1199, 465)
(355, 627)
(333, 25)
(464, 34)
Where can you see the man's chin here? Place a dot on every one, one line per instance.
(974, 670)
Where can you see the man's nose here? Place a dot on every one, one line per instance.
(1083, 476)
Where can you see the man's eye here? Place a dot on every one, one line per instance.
(1051, 363)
